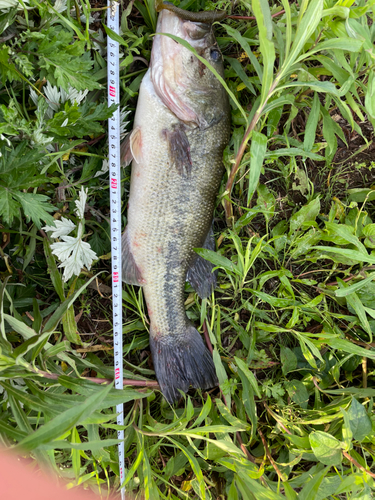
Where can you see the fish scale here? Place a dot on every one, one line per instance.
(170, 213)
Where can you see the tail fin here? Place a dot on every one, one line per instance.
(181, 361)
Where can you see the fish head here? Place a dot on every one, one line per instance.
(183, 82)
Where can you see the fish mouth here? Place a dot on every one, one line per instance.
(167, 71)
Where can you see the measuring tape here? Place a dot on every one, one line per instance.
(113, 82)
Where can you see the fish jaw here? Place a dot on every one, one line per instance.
(183, 82)
(166, 67)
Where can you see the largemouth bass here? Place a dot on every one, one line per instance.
(181, 127)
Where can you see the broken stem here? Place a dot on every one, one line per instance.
(126, 381)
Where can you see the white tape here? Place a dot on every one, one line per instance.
(113, 83)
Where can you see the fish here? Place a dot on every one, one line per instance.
(181, 127)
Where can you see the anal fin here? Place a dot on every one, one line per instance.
(131, 273)
(200, 274)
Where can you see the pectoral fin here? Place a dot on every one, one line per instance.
(131, 147)
(179, 149)
(131, 273)
(200, 274)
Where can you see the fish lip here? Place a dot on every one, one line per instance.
(170, 24)
(164, 68)
(167, 73)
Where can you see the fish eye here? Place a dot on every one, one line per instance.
(215, 55)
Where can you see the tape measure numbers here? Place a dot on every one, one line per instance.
(113, 83)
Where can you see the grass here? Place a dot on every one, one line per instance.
(291, 324)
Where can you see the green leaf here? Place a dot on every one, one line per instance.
(360, 422)
(248, 400)
(312, 123)
(80, 121)
(354, 301)
(112, 34)
(9, 208)
(86, 446)
(63, 422)
(326, 448)
(246, 47)
(53, 270)
(218, 260)
(267, 48)
(256, 490)
(311, 490)
(293, 152)
(343, 44)
(289, 492)
(231, 419)
(349, 347)
(327, 87)
(20, 327)
(297, 392)
(56, 317)
(258, 150)
(346, 252)
(249, 375)
(288, 360)
(370, 95)
(36, 207)
(194, 465)
(343, 231)
(347, 434)
(236, 65)
(307, 213)
(306, 28)
(222, 376)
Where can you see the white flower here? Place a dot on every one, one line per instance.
(8, 4)
(56, 97)
(53, 95)
(62, 227)
(73, 254)
(34, 96)
(3, 138)
(76, 96)
(60, 6)
(81, 203)
(104, 169)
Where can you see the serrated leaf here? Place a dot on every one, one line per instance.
(61, 227)
(36, 207)
(9, 208)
